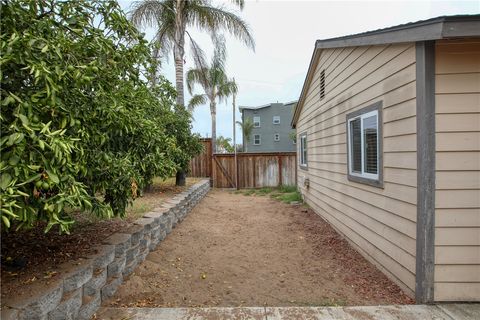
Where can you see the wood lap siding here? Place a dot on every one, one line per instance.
(457, 213)
(379, 222)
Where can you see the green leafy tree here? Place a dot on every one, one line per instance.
(247, 128)
(225, 145)
(80, 128)
(214, 82)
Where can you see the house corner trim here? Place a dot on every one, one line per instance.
(425, 256)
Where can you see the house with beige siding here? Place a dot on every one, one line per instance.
(388, 131)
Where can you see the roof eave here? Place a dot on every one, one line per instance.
(433, 29)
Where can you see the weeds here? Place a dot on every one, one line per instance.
(286, 194)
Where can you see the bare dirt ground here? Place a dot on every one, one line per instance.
(36, 256)
(237, 250)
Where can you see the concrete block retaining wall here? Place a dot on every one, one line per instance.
(79, 292)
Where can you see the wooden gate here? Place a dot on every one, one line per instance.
(255, 170)
(201, 165)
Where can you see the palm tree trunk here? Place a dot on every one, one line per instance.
(179, 51)
(178, 55)
(213, 113)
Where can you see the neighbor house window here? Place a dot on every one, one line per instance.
(256, 122)
(276, 137)
(364, 147)
(322, 84)
(276, 119)
(256, 139)
(303, 150)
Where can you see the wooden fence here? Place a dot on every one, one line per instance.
(255, 170)
(201, 165)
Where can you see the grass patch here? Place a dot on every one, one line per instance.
(285, 194)
(264, 191)
(287, 189)
(289, 197)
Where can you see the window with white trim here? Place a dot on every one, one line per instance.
(276, 137)
(303, 150)
(256, 121)
(276, 119)
(256, 139)
(363, 143)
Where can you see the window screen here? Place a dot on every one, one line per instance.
(363, 144)
(303, 150)
(356, 145)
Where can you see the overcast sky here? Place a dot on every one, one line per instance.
(285, 34)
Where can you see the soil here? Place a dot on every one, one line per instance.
(31, 259)
(236, 250)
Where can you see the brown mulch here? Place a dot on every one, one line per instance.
(33, 256)
(358, 272)
(236, 250)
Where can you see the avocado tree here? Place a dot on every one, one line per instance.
(80, 127)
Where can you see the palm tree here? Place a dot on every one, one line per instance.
(247, 128)
(214, 82)
(224, 144)
(172, 18)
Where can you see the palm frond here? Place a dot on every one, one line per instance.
(239, 3)
(197, 100)
(247, 127)
(196, 76)
(227, 89)
(220, 52)
(163, 42)
(146, 13)
(214, 19)
(199, 57)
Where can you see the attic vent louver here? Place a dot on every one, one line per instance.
(322, 84)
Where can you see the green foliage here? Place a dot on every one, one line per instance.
(288, 197)
(225, 144)
(287, 189)
(80, 128)
(247, 128)
(285, 193)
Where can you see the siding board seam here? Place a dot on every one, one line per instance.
(365, 190)
(376, 220)
(358, 81)
(364, 251)
(315, 112)
(307, 98)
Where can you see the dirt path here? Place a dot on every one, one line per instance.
(237, 250)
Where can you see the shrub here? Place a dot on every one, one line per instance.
(80, 127)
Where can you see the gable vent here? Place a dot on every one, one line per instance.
(322, 84)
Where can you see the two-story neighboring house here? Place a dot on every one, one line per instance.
(271, 127)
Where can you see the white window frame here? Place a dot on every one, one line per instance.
(276, 137)
(275, 118)
(259, 139)
(303, 157)
(256, 122)
(363, 174)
